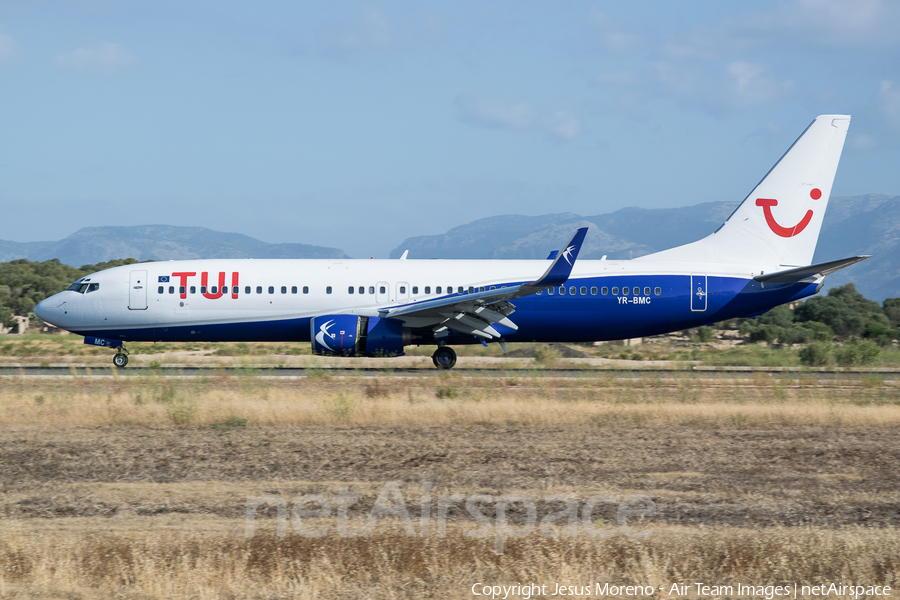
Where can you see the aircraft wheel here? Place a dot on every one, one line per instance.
(120, 360)
(444, 358)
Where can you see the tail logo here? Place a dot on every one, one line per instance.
(786, 232)
(567, 254)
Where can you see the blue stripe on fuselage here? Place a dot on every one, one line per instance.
(546, 318)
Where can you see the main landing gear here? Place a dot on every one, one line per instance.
(444, 357)
(121, 357)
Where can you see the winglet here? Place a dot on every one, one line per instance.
(561, 267)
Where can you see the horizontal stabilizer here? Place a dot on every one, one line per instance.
(800, 273)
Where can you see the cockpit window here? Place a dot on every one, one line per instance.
(83, 287)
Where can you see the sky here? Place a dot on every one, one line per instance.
(357, 125)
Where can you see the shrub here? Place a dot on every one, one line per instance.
(857, 352)
(546, 356)
(816, 354)
(704, 334)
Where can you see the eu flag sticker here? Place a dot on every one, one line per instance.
(163, 279)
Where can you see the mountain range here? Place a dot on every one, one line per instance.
(156, 242)
(868, 224)
(854, 225)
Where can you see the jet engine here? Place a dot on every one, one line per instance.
(352, 335)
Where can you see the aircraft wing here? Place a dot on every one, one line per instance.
(800, 273)
(477, 313)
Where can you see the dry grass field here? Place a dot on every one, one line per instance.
(137, 487)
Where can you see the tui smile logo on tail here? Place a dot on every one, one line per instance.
(768, 203)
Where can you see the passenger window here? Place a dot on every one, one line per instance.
(271, 289)
(402, 289)
(259, 289)
(180, 289)
(284, 289)
(328, 290)
(202, 289)
(626, 291)
(427, 289)
(572, 290)
(171, 289)
(604, 291)
(305, 289)
(551, 290)
(459, 290)
(382, 290)
(293, 289)
(224, 289)
(493, 287)
(362, 289)
(562, 290)
(350, 290)
(194, 289)
(657, 291)
(96, 286)
(471, 290)
(481, 289)
(615, 291)
(235, 290)
(160, 289)
(371, 289)
(437, 290)
(415, 289)
(214, 289)
(247, 289)
(647, 291)
(593, 291)
(539, 292)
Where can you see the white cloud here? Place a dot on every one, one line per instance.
(829, 22)
(862, 141)
(478, 108)
(475, 106)
(610, 36)
(739, 85)
(9, 50)
(889, 102)
(371, 30)
(748, 85)
(562, 124)
(104, 58)
(624, 78)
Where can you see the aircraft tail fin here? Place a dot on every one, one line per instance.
(778, 223)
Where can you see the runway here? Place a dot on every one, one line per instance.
(295, 372)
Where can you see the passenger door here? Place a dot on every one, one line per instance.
(698, 293)
(137, 290)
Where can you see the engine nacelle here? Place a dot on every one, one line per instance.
(351, 335)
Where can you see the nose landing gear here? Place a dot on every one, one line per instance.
(121, 357)
(444, 357)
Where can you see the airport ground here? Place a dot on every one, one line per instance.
(137, 487)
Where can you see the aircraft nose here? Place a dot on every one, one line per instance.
(46, 310)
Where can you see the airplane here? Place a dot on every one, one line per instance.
(759, 258)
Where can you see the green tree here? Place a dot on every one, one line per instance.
(24, 283)
(847, 312)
